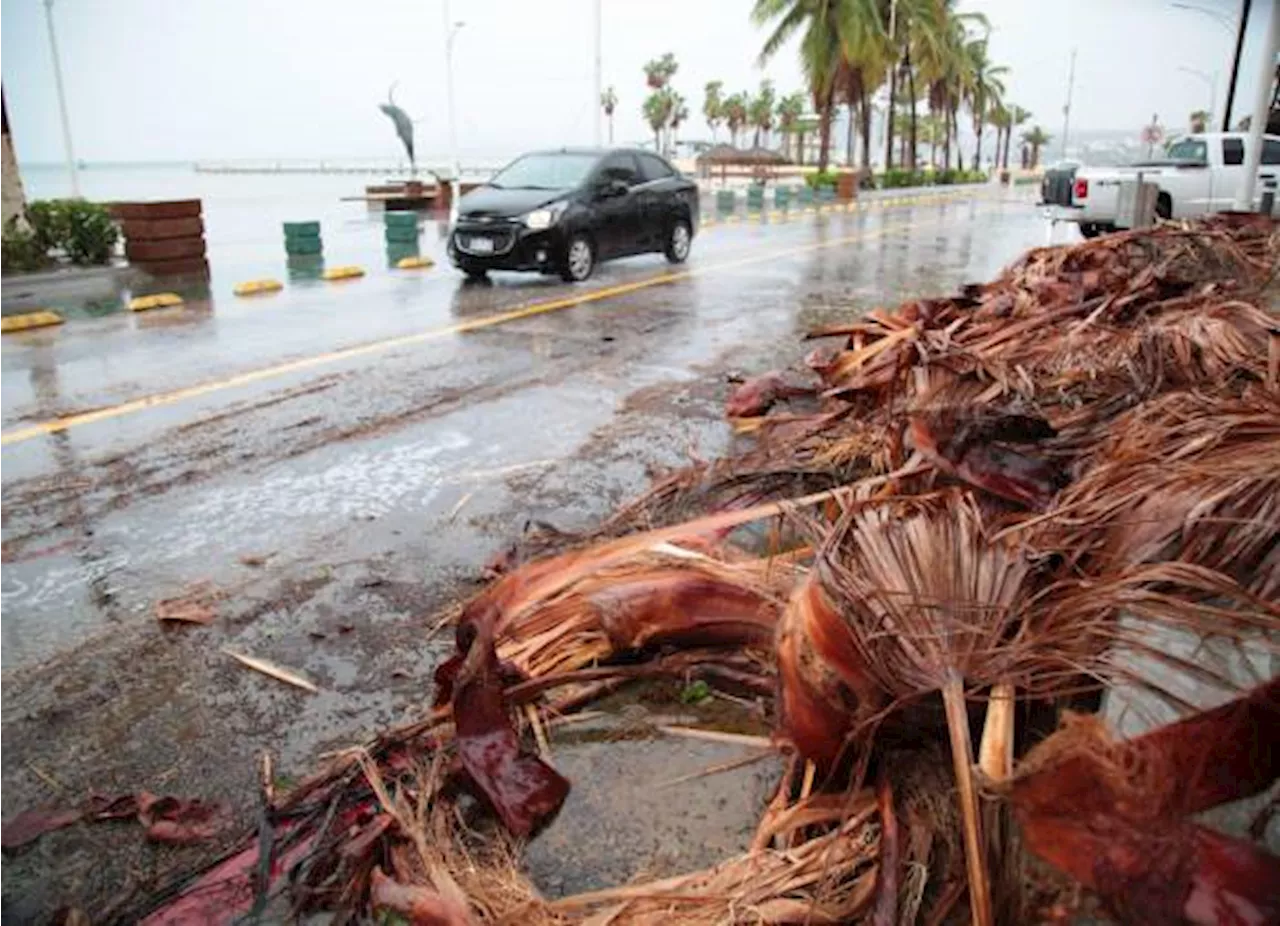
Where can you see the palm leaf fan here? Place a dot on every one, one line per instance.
(928, 602)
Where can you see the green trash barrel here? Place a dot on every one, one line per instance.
(725, 201)
(400, 219)
(806, 195)
(755, 197)
(781, 197)
(401, 233)
(302, 238)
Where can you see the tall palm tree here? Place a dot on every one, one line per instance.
(657, 110)
(865, 57)
(713, 105)
(609, 102)
(790, 109)
(1037, 138)
(822, 23)
(986, 88)
(1000, 117)
(760, 111)
(1017, 116)
(1199, 121)
(679, 113)
(735, 114)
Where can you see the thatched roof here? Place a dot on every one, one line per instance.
(727, 154)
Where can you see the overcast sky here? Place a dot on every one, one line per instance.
(208, 79)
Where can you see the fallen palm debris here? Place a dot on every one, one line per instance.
(986, 509)
(173, 820)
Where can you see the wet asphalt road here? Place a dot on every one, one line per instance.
(334, 463)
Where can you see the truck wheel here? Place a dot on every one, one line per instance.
(1090, 229)
(1164, 206)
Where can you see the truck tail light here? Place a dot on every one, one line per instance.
(1081, 189)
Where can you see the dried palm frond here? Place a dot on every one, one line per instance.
(1185, 477)
(1114, 815)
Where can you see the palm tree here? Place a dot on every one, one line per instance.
(1000, 117)
(820, 49)
(1017, 116)
(760, 111)
(609, 102)
(659, 71)
(790, 109)
(679, 113)
(657, 109)
(1036, 137)
(1199, 121)
(864, 65)
(735, 114)
(713, 105)
(986, 89)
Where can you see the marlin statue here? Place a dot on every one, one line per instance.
(404, 125)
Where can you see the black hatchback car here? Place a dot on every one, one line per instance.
(565, 211)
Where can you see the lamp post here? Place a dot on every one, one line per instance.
(1212, 81)
(72, 173)
(450, 33)
(1238, 29)
(596, 94)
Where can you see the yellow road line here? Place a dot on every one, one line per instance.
(161, 399)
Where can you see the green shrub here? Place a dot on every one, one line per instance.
(820, 178)
(81, 230)
(22, 252)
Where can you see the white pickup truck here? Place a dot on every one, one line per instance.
(1198, 174)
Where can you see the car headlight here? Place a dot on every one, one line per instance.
(545, 217)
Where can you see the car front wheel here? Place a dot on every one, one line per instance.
(579, 260)
(679, 240)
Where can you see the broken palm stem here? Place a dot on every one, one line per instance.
(962, 757)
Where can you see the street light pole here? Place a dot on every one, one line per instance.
(1238, 29)
(72, 173)
(450, 32)
(1212, 81)
(596, 101)
(1066, 110)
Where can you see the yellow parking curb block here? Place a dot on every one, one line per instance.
(256, 287)
(157, 301)
(343, 273)
(414, 263)
(28, 320)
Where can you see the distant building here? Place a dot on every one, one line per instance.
(14, 200)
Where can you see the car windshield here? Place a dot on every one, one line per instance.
(560, 171)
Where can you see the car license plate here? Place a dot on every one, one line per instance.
(481, 245)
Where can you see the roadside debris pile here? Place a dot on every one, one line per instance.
(980, 510)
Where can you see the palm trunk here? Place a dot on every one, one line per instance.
(848, 135)
(911, 91)
(955, 128)
(611, 130)
(824, 129)
(946, 138)
(866, 130)
(977, 130)
(800, 153)
(888, 129)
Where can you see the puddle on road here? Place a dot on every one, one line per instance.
(628, 815)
